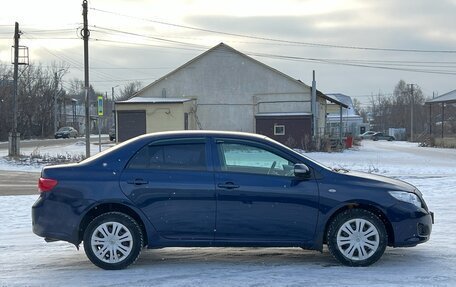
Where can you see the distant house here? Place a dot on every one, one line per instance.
(352, 123)
(442, 124)
(224, 89)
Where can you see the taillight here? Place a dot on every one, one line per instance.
(46, 184)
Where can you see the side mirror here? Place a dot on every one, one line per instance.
(301, 170)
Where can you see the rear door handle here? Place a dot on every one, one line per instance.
(228, 185)
(138, 181)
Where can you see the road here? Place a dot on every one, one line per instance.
(18, 182)
(25, 183)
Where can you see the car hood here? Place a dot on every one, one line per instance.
(381, 181)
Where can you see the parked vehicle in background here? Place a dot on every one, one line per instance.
(66, 132)
(366, 135)
(223, 189)
(112, 134)
(381, 136)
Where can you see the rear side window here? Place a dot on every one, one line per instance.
(182, 156)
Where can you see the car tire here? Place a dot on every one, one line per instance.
(375, 139)
(357, 237)
(390, 139)
(113, 241)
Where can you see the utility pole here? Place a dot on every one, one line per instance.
(14, 141)
(114, 109)
(85, 35)
(430, 116)
(55, 101)
(314, 107)
(412, 102)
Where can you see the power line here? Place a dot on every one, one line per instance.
(307, 59)
(149, 37)
(274, 39)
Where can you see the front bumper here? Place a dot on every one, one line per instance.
(410, 226)
(58, 136)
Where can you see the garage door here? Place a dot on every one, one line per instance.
(131, 124)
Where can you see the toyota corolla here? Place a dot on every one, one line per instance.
(223, 189)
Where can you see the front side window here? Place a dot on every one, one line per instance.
(251, 159)
(182, 156)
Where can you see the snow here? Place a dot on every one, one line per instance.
(61, 148)
(26, 260)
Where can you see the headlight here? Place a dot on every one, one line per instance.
(406, 197)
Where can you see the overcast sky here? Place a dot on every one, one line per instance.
(341, 30)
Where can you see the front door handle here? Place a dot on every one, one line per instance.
(138, 181)
(228, 185)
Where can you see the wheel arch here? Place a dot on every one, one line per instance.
(366, 206)
(111, 207)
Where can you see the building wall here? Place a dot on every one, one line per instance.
(163, 117)
(227, 87)
(297, 129)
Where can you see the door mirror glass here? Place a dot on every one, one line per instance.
(301, 170)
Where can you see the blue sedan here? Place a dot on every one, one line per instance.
(202, 188)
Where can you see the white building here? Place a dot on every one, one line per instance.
(232, 91)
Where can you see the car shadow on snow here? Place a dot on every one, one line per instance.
(394, 257)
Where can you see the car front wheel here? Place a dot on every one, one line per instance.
(357, 237)
(113, 241)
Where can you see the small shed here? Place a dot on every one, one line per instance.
(445, 121)
(291, 129)
(139, 115)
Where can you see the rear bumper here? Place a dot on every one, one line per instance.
(54, 220)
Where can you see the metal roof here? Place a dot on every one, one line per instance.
(449, 97)
(281, 114)
(144, 100)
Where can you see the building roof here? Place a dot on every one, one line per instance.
(320, 94)
(144, 100)
(449, 97)
(347, 100)
(281, 114)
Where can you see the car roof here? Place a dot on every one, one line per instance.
(203, 133)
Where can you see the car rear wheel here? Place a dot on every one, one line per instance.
(113, 241)
(357, 237)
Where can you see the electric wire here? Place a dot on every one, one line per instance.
(274, 39)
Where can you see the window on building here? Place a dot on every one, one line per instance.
(279, 130)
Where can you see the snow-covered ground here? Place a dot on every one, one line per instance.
(61, 148)
(26, 260)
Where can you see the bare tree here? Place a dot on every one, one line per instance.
(395, 111)
(37, 87)
(359, 110)
(129, 90)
